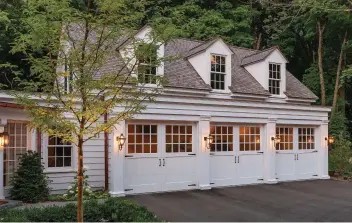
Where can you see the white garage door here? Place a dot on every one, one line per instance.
(296, 154)
(160, 157)
(236, 155)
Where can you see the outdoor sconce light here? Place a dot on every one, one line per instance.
(209, 140)
(330, 139)
(4, 139)
(121, 140)
(276, 140)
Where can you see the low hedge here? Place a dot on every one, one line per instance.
(112, 210)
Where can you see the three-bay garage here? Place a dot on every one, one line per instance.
(169, 156)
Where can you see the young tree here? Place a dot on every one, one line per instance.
(80, 76)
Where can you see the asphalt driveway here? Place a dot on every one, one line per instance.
(318, 200)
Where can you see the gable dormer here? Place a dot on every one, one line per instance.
(268, 67)
(212, 61)
(143, 40)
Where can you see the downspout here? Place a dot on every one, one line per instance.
(39, 142)
(106, 155)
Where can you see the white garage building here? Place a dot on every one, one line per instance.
(242, 98)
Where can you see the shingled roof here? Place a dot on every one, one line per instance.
(258, 56)
(181, 74)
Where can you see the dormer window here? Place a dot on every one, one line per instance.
(218, 72)
(147, 59)
(274, 78)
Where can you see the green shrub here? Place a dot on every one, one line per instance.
(29, 183)
(341, 156)
(112, 209)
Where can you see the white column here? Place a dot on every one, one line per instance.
(322, 145)
(203, 153)
(116, 167)
(270, 152)
(3, 122)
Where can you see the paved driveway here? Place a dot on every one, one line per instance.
(318, 200)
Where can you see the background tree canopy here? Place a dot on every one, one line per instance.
(313, 34)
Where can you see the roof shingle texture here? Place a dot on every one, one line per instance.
(180, 73)
(258, 56)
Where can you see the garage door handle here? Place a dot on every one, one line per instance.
(238, 160)
(235, 159)
(297, 156)
(159, 162)
(192, 154)
(163, 162)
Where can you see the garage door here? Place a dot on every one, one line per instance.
(296, 154)
(160, 157)
(236, 155)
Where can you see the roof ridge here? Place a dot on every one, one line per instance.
(189, 39)
(261, 51)
(205, 42)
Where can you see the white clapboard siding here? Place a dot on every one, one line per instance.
(93, 153)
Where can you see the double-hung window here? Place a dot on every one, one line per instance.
(218, 72)
(274, 78)
(147, 59)
(59, 153)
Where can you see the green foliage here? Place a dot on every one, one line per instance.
(226, 19)
(338, 125)
(29, 183)
(341, 156)
(112, 210)
(311, 79)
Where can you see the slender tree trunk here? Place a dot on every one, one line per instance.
(80, 180)
(337, 81)
(259, 41)
(321, 28)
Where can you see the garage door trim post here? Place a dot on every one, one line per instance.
(204, 155)
(270, 152)
(117, 162)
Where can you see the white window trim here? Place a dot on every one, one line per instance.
(225, 74)
(280, 95)
(73, 168)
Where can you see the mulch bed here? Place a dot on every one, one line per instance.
(3, 202)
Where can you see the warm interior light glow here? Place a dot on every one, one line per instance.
(257, 139)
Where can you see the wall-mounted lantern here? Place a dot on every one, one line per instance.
(4, 139)
(330, 140)
(121, 141)
(208, 140)
(275, 140)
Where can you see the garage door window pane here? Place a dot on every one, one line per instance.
(178, 138)
(249, 138)
(142, 138)
(286, 138)
(223, 138)
(306, 138)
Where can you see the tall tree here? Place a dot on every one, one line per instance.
(79, 78)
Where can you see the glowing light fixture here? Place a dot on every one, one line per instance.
(209, 140)
(121, 140)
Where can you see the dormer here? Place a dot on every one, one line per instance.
(268, 67)
(212, 61)
(142, 66)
